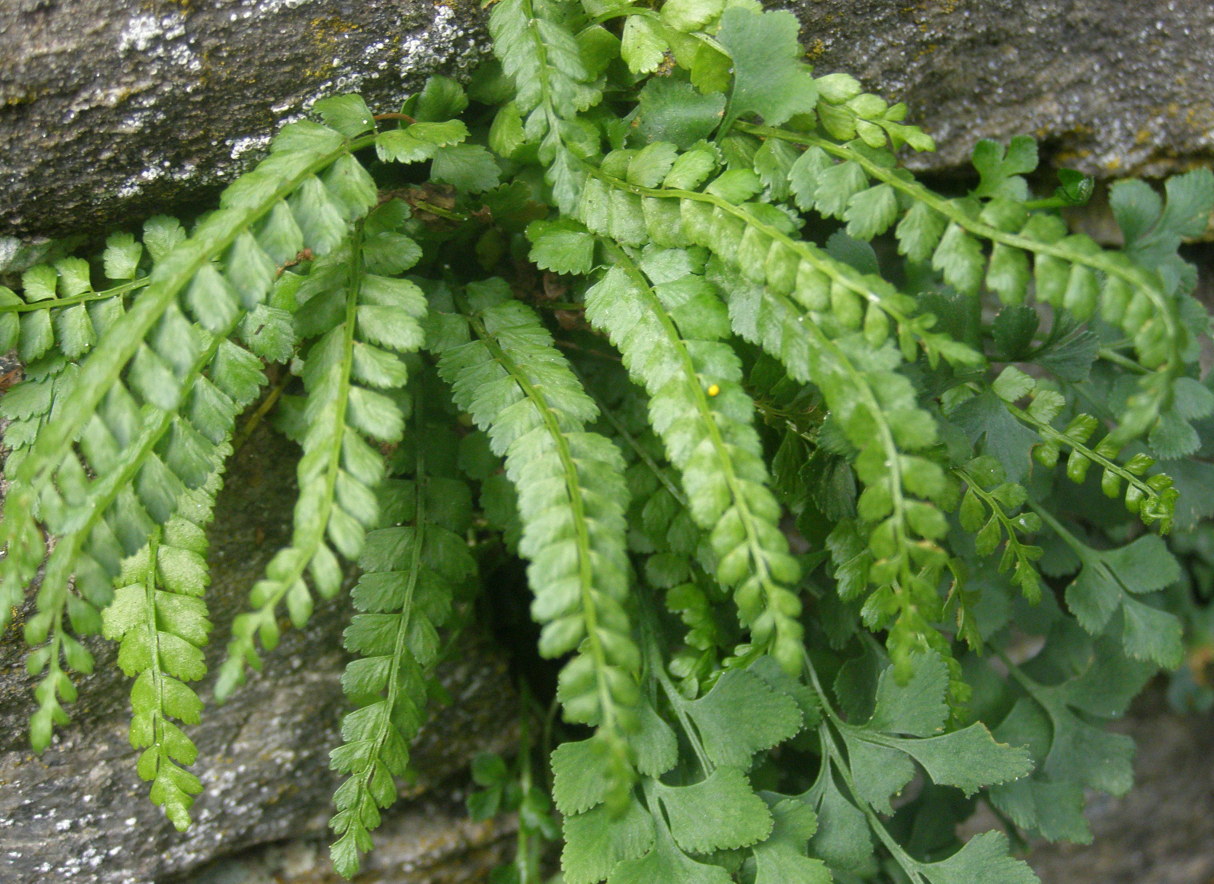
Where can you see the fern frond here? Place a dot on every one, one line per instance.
(53, 322)
(1151, 498)
(571, 499)
(678, 557)
(1067, 271)
(894, 545)
(535, 43)
(710, 439)
(621, 201)
(410, 574)
(825, 336)
(144, 461)
(160, 617)
(362, 322)
(991, 510)
(152, 357)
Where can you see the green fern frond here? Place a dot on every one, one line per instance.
(1151, 498)
(622, 201)
(895, 545)
(534, 41)
(410, 574)
(143, 461)
(160, 617)
(669, 334)
(571, 500)
(1027, 246)
(361, 323)
(150, 356)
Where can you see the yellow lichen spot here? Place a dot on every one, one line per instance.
(1142, 136)
(714, 390)
(1113, 164)
(815, 49)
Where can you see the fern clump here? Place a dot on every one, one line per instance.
(796, 449)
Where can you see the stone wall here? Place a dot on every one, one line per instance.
(113, 109)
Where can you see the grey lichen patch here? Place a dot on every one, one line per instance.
(143, 106)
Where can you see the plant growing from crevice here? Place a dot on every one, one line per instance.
(790, 504)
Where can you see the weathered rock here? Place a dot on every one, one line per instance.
(114, 109)
(1110, 88)
(78, 812)
(1162, 832)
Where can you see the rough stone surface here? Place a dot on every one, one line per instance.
(1162, 832)
(113, 109)
(110, 109)
(79, 812)
(1109, 87)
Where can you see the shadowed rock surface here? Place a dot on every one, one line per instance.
(78, 812)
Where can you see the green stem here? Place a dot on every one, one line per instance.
(85, 298)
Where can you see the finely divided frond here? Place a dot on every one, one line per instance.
(362, 321)
(572, 500)
(703, 416)
(621, 202)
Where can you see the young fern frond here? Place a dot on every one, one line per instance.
(160, 617)
(990, 510)
(669, 333)
(411, 572)
(361, 322)
(1151, 498)
(538, 51)
(504, 371)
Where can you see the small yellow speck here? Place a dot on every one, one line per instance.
(714, 390)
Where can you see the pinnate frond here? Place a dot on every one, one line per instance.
(160, 616)
(411, 572)
(504, 371)
(360, 322)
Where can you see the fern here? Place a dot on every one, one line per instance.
(159, 615)
(655, 308)
(411, 573)
(360, 321)
(571, 502)
(698, 407)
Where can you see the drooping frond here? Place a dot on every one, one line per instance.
(667, 321)
(505, 373)
(160, 616)
(360, 323)
(411, 572)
